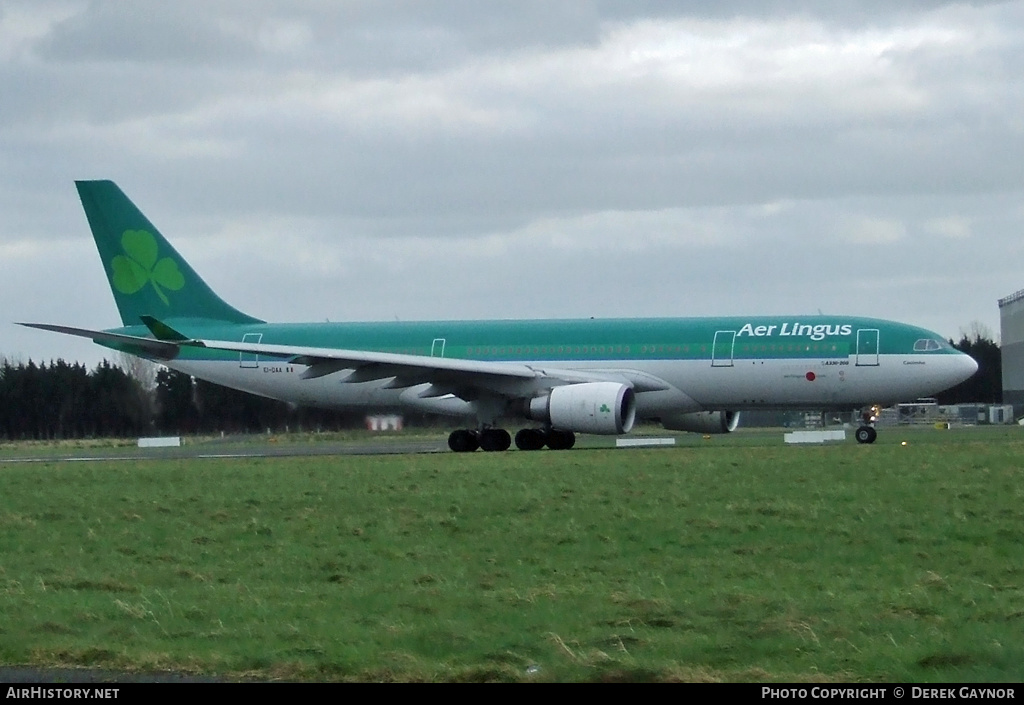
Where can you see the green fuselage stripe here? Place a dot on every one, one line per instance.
(579, 340)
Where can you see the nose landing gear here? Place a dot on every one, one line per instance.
(867, 433)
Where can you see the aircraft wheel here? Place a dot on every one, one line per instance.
(463, 441)
(495, 439)
(561, 440)
(530, 439)
(866, 434)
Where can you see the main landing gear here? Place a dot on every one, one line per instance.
(497, 439)
(490, 439)
(537, 438)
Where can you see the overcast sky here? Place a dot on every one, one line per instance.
(525, 159)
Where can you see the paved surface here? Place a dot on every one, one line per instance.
(232, 450)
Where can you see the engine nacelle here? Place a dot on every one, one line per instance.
(606, 408)
(703, 421)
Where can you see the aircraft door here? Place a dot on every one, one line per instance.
(723, 349)
(437, 348)
(867, 347)
(250, 361)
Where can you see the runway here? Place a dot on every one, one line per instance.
(233, 449)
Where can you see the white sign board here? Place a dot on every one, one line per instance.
(166, 442)
(815, 436)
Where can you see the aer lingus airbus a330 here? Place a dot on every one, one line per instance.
(555, 377)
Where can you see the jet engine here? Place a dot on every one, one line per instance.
(702, 421)
(606, 408)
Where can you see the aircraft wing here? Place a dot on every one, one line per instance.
(463, 378)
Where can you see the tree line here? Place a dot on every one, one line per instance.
(65, 400)
(986, 386)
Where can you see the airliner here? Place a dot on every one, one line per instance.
(556, 378)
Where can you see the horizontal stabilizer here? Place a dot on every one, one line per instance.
(162, 331)
(146, 346)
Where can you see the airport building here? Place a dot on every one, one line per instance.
(1011, 331)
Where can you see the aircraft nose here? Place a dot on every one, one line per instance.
(966, 367)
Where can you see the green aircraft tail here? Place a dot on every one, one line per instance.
(147, 276)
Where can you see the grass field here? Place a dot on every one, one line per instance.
(733, 559)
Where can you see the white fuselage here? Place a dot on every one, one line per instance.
(694, 384)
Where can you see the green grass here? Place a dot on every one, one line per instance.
(728, 559)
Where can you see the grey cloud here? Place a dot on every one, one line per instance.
(431, 160)
(142, 32)
(382, 36)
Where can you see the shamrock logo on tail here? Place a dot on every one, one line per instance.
(139, 265)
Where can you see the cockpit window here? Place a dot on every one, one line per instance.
(927, 345)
